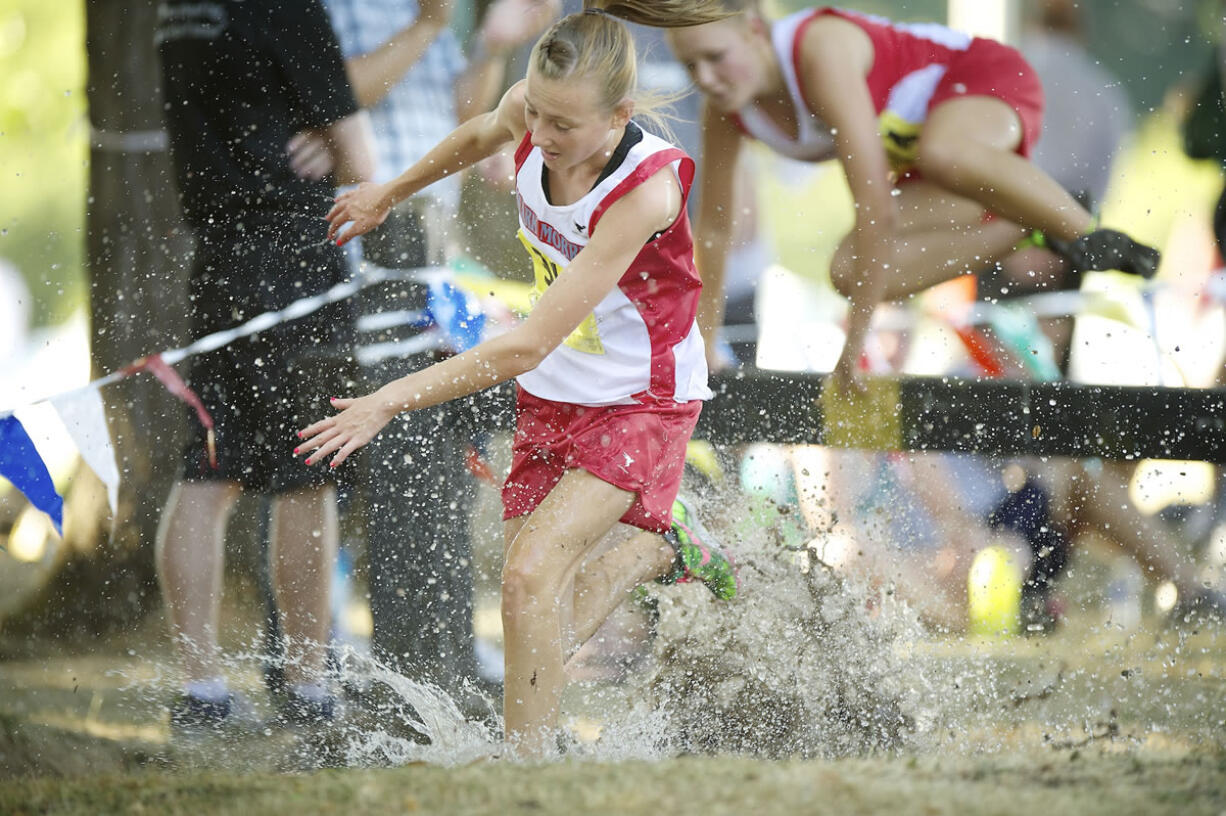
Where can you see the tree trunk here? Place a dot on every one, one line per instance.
(138, 256)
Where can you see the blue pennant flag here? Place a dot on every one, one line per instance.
(21, 465)
(457, 313)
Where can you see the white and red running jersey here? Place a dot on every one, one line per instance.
(641, 343)
(909, 62)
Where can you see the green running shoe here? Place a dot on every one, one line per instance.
(699, 557)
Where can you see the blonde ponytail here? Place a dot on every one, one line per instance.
(671, 13)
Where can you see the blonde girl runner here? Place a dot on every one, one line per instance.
(610, 363)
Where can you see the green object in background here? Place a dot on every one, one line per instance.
(994, 593)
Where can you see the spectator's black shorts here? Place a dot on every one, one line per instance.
(262, 389)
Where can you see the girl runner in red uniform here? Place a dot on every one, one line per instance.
(610, 364)
(932, 128)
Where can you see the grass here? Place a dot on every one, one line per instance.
(1085, 782)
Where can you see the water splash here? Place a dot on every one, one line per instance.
(803, 663)
(806, 662)
(384, 719)
(440, 733)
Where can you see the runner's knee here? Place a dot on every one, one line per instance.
(526, 580)
(943, 161)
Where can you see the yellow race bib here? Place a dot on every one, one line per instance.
(901, 140)
(586, 337)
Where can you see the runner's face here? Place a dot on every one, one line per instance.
(568, 123)
(723, 59)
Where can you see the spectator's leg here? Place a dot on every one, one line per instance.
(190, 561)
(304, 533)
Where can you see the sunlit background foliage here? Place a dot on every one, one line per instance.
(44, 140)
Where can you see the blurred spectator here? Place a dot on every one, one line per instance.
(239, 77)
(1204, 134)
(1088, 115)
(1087, 111)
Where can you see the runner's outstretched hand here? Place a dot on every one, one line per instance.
(359, 420)
(363, 208)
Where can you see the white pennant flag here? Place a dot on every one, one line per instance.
(84, 416)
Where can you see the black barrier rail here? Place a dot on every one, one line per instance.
(954, 414)
(985, 416)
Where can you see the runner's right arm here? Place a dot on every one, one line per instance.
(366, 206)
